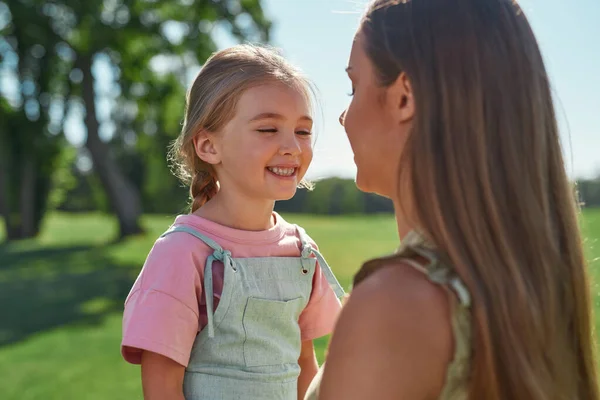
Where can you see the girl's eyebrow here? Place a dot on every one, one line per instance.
(269, 115)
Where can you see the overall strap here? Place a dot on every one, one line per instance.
(307, 250)
(219, 254)
(440, 273)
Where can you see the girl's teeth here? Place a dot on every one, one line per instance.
(282, 171)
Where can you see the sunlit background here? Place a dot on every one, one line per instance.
(91, 94)
(316, 35)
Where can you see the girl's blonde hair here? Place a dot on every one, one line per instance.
(211, 103)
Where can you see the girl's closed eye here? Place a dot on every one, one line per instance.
(303, 132)
(267, 130)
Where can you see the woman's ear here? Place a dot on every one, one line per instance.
(402, 99)
(204, 145)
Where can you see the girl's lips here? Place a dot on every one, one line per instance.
(283, 172)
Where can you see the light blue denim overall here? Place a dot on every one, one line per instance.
(250, 348)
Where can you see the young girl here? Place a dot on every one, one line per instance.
(231, 296)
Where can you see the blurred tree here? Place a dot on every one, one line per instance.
(144, 159)
(589, 192)
(150, 47)
(352, 200)
(30, 145)
(335, 196)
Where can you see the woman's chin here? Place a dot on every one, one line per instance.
(368, 186)
(364, 185)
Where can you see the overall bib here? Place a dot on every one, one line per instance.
(251, 345)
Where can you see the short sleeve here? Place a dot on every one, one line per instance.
(322, 310)
(161, 311)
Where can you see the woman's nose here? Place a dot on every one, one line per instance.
(342, 117)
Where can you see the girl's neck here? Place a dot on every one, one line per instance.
(239, 213)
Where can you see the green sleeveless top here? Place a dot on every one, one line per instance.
(457, 374)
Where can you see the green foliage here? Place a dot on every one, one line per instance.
(589, 192)
(62, 178)
(335, 196)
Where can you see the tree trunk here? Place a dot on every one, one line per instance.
(19, 193)
(7, 189)
(122, 195)
(27, 195)
(5, 198)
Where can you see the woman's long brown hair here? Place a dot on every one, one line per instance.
(486, 181)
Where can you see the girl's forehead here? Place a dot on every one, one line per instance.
(272, 100)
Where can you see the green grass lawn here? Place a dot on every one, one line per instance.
(62, 294)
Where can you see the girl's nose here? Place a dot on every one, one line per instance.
(290, 146)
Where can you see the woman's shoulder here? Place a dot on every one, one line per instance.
(399, 320)
(400, 289)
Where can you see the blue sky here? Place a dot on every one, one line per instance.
(317, 35)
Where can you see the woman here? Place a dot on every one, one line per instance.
(487, 298)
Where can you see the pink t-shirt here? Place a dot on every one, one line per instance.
(166, 307)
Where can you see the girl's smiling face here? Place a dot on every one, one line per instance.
(263, 152)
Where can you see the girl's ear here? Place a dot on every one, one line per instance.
(204, 145)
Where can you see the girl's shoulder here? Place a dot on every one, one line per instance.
(177, 250)
(295, 230)
(180, 234)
